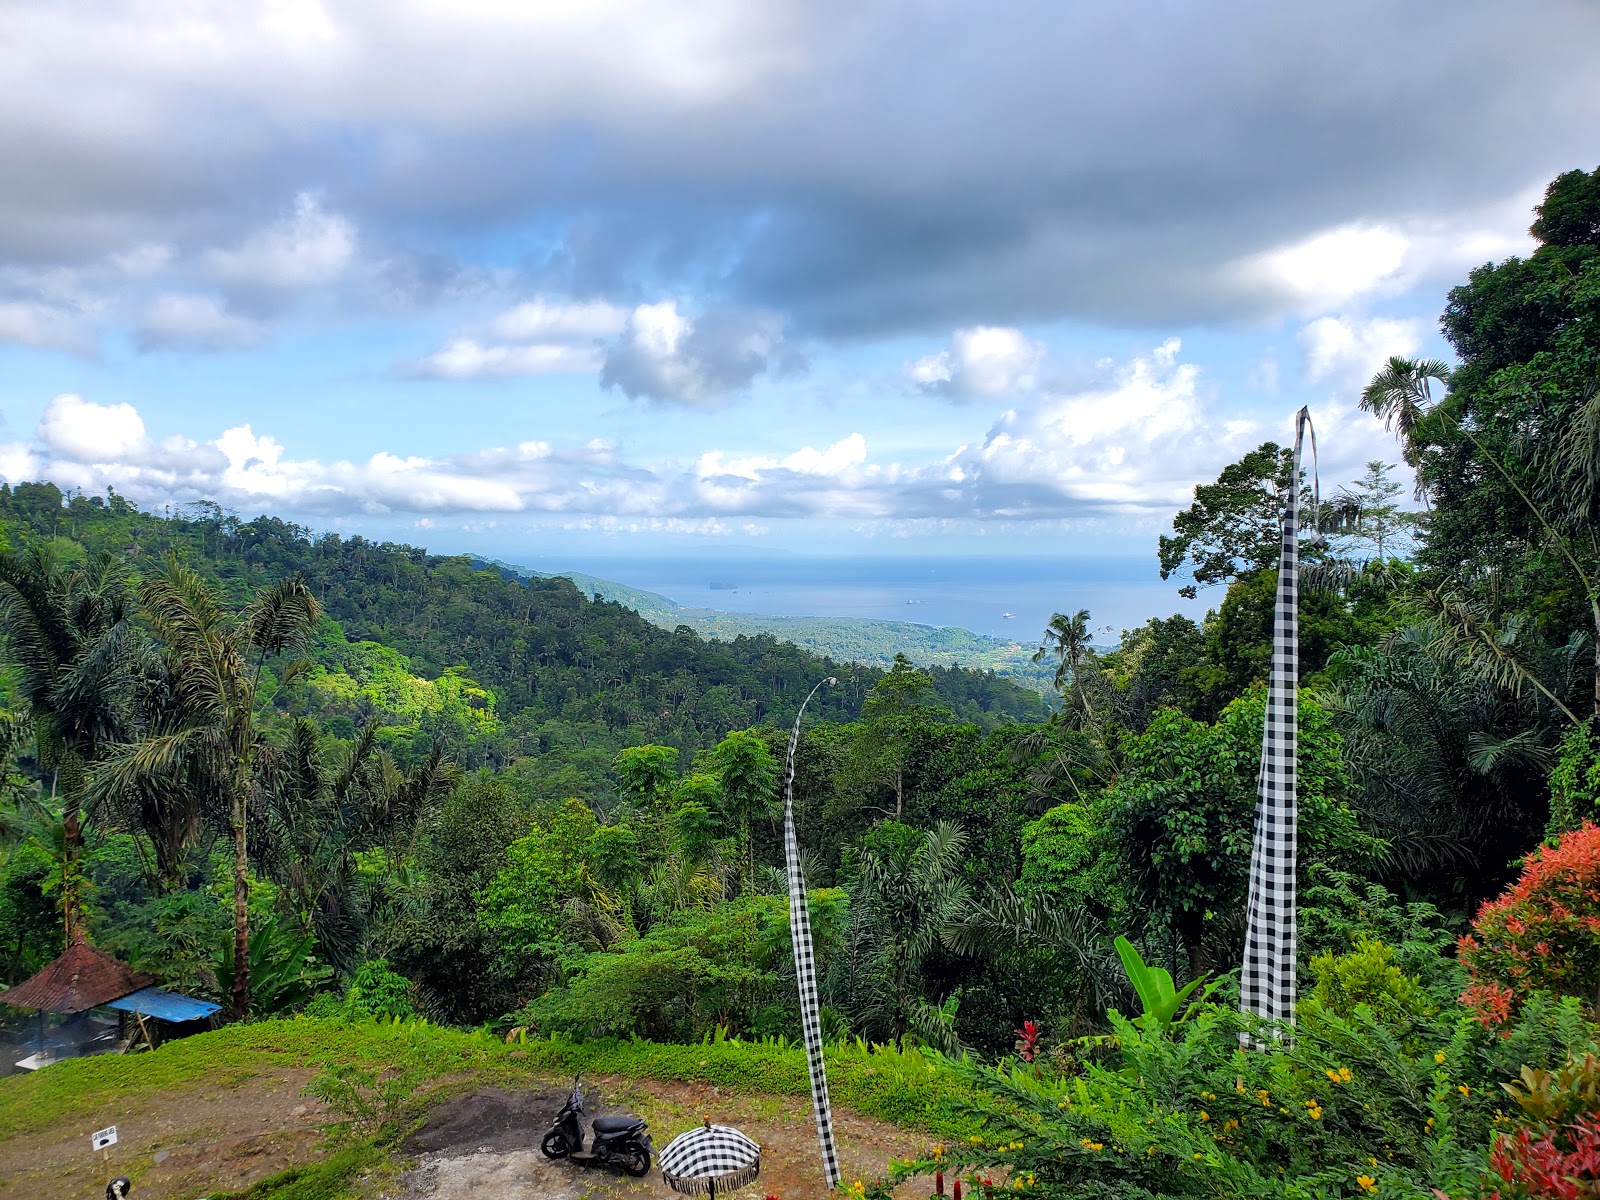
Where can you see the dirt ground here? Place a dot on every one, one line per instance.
(479, 1146)
(181, 1145)
(483, 1146)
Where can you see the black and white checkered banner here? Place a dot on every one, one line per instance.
(714, 1157)
(805, 961)
(1267, 985)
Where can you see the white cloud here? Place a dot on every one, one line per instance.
(1348, 351)
(1126, 450)
(308, 249)
(1329, 268)
(984, 361)
(544, 320)
(92, 433)
(666, 356)
(537, 337)
(45, 326)
(180, 320)
(466, 358)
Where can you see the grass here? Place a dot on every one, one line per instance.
(893, 1085)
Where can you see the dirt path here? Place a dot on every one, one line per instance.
(478, 1146)
(481, 1146)
(179, 1145)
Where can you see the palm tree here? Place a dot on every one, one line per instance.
(910, 887)
(1068, 638)
(1400, 394)
(214, 659)
(66, 626)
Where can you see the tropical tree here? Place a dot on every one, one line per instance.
(1232, 527)
(1068, 639)
(66, 626)
(896, 711)
(210, 738)
(748, 775)
(909, 886)
(1401, 395)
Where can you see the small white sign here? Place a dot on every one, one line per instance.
(102, 1138)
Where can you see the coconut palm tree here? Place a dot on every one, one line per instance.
(214, 659)
(67, 631)
(1401, 394)
(1068, 638)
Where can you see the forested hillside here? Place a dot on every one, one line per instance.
(551, 666)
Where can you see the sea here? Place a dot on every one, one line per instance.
(1011, 598)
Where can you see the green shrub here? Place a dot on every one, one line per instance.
(1352, 1106)
(377, 993)
(1368, 977)
(1575, 782)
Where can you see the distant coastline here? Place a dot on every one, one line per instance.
(869, 640)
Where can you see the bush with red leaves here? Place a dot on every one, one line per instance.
(1563, 1165)
(1543, 933)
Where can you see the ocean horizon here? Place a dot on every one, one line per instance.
(966, 592)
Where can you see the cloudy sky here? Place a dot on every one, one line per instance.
(865, 277)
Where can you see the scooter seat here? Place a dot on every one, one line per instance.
(617, 1124)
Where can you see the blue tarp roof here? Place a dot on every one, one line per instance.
(165, 1006)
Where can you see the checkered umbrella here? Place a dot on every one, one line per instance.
(805, 962)
(700, 1161)
(1267, 985)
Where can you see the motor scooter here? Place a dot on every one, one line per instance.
(620, 1142)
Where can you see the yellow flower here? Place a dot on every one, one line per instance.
(1429, 1125)
(1204, 1115)
(1208, 1095)
(1316, 1111)
(1197, 1154)
(1464, 1090)
(1261, 1095)
(1367, 1182)
(1344, 1075)
(1090, 1145)
(1332, 1074)
(1438, 1057)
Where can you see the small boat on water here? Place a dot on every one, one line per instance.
(1007, 616)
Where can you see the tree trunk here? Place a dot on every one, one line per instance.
(1594, 609)
(71, 856)
(241, 910)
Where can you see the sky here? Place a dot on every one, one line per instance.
(724, 278)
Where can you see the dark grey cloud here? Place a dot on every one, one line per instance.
(854, 169)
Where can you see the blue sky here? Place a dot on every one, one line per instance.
(629, 278)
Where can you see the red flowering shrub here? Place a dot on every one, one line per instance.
(1028, 1040)
(1544, 932)
(1489, 1002)
(1563, 1165)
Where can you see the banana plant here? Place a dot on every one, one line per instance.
(1163, 1004)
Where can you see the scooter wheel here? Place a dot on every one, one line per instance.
(555, 1145)
(637, 1161)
